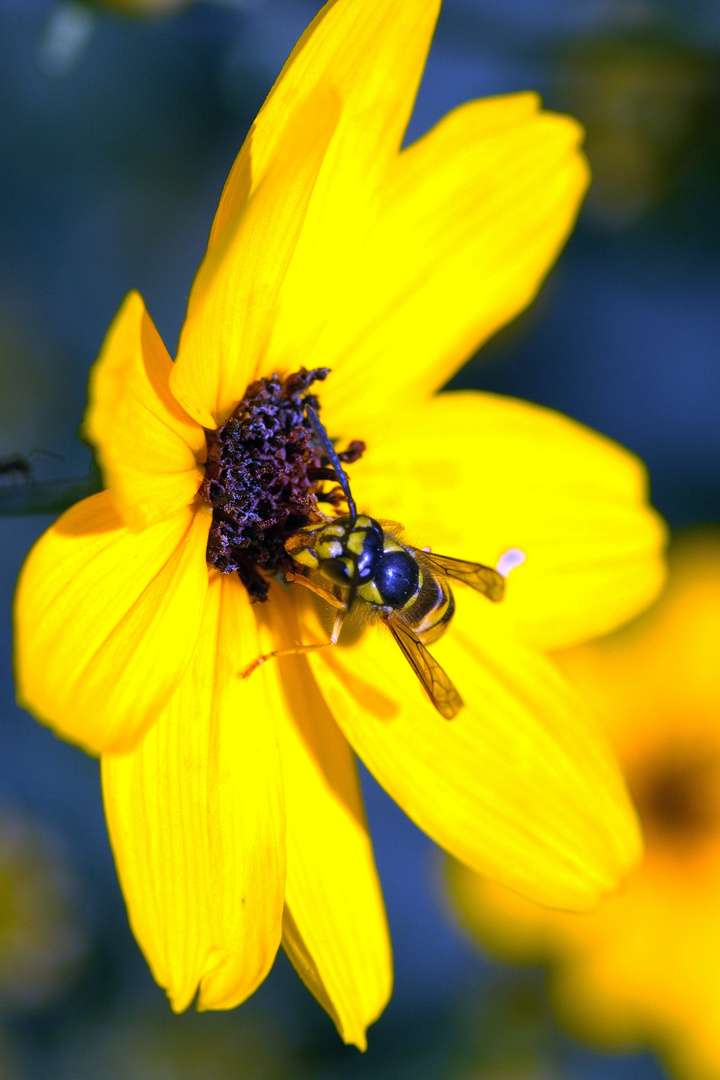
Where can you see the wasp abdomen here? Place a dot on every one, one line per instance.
(432, 609)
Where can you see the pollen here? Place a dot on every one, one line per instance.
(264, 477)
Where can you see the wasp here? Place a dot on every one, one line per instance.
(356, 561)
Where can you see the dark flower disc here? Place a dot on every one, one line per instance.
(264, 477)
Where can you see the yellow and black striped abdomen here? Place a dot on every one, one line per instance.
(429, 612)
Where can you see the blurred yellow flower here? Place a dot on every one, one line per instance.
(233, 805)
(646, 965)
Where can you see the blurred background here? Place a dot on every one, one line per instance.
(116, 133)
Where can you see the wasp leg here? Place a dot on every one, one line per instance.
(327, 519)
(326, 595)
(337, 626)
(299, 540)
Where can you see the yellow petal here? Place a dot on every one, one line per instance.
(234, 295)
(469, 222)
(372, 56)
(509, 925)
(643, 965)
(660, 671)
(106, 621)
(299, 195)
(335, 931)
(148, 447)
(472, 475)
(519, 786)
(196, 820)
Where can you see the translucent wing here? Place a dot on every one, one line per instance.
(437, 685)
(392, 528)
(482, 578)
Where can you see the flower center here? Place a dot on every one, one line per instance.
(677, 796)
(264, 477)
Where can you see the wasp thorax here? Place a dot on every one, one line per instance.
(347, 551)
(264, 476)
(397, 577)
(359, 553)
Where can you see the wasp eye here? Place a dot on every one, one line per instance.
(397, 578)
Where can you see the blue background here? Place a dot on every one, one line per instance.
(115, 138)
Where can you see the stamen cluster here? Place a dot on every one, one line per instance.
(263, 477)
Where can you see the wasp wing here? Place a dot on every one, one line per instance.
(393, 528)
(481, 578)
(435, 682)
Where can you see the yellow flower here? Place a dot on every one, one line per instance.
(646, 965)
(233, 804)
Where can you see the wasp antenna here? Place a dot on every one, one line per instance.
(324, 440)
